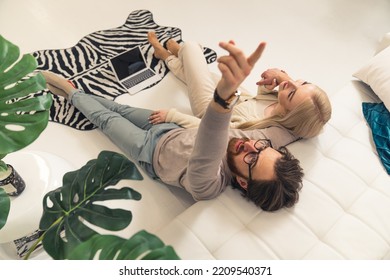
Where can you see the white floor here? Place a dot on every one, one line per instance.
(321, 41)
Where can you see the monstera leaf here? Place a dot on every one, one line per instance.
(23, 115)
(141, 246)
(5, 204)
(66, 209)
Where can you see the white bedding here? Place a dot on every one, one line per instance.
(343, 211)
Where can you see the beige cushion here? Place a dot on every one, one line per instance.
(376, 73)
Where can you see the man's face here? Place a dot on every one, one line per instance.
(244, 154)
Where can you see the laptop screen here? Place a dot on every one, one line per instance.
(128, 63)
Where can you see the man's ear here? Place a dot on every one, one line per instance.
(242, 182)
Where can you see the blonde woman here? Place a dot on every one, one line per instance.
(299, 107)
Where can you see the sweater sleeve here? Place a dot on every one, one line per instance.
(184, 120)
(204, 172)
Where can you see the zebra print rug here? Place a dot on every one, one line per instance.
(86, 64)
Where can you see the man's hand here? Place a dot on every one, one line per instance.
(235, 67)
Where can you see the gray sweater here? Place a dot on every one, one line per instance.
(195, 158)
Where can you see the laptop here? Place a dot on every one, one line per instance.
(132, 72)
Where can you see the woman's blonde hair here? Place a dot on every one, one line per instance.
(306, 120)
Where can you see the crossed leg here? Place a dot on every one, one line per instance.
(188, 64)
(127, 127)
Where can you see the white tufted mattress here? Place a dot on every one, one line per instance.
(343, 211)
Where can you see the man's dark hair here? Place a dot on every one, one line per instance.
(283, 191)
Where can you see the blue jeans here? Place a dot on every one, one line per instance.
(127, 127)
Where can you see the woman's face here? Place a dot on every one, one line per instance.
(292, 93)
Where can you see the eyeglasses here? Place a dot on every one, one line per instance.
(252, 157)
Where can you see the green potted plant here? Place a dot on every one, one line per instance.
(24, 114)
(80, 199)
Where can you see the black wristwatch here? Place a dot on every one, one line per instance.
(230, 102)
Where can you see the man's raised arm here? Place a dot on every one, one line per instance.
(211, 141)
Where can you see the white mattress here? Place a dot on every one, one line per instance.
(343, 211)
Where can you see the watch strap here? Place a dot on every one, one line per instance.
(230, 102)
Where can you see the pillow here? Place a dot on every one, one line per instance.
(384, 43)
(378, 118)
(376, 73)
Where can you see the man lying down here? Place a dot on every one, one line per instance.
(209, 158)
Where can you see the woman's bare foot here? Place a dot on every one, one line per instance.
(159, 51)
(173, 47)
(57, 84)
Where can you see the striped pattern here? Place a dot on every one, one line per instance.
(86, 63)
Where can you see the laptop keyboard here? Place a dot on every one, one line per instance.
(135, 80)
